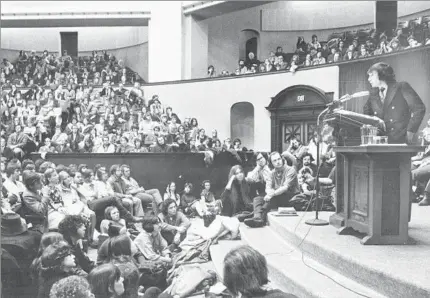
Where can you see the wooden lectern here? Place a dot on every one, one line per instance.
(372, 182)
(376, 192)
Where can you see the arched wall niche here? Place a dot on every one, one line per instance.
(242, 123)
(251, 38)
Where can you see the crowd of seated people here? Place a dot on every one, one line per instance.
(340, 47)
(83, 119)
(59, 213)
(49, 69)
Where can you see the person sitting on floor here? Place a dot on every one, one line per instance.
(208, 201)
(111, 217)
(174, 224)
(281, 186)
(189, 202)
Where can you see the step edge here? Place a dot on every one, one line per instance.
(275, 266)
(365, 270)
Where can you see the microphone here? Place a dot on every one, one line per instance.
(348, 97)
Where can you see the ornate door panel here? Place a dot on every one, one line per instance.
(302, 130)
(289, 130)
(310, 129)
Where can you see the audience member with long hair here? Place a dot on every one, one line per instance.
(246, 274)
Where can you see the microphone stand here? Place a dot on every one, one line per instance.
(316, 221)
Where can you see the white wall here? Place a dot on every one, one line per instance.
(165, 54)
(224, 31)
(210, 101)
(89, 38)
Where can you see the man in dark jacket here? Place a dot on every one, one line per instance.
(396, 103)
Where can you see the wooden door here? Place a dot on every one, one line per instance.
(69, 42)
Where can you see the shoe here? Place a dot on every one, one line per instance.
(243, 216)
(254, 223)
(425, 201)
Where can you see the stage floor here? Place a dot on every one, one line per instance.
(405, 263)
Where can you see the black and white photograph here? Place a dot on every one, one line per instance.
(215, 149)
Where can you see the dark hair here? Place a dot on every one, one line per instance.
(113, 169)
(26, 162)
(308, 154)
(190, 185)
(48, 174)
(166, 204)
(114, 229)
(384, 70)
(149, 222)
(11, 168)
(52, 258)
(245, 271)
(102, 279)
(71, 286)
(69, 226)
(119, 246)
(30, 178)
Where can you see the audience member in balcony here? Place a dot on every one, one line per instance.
(413, 43)
(301, 46)
(325, 51)
(161, 146)
(75, 139)
(124, 146)
(401, 37)
(251, 60)
(279, 52)
(383, 47)
(269, 67)
(242, 67)
(395, 46)
(363, 52)
(308, 60)
(314, 44)
(138, 147)
(211, 71)
(319, 59)
(106, 146)
(281, 186)
(330, 58)
(282, 65)
(180, 145)
(246, 274)
(173, 223)
(349, 55)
